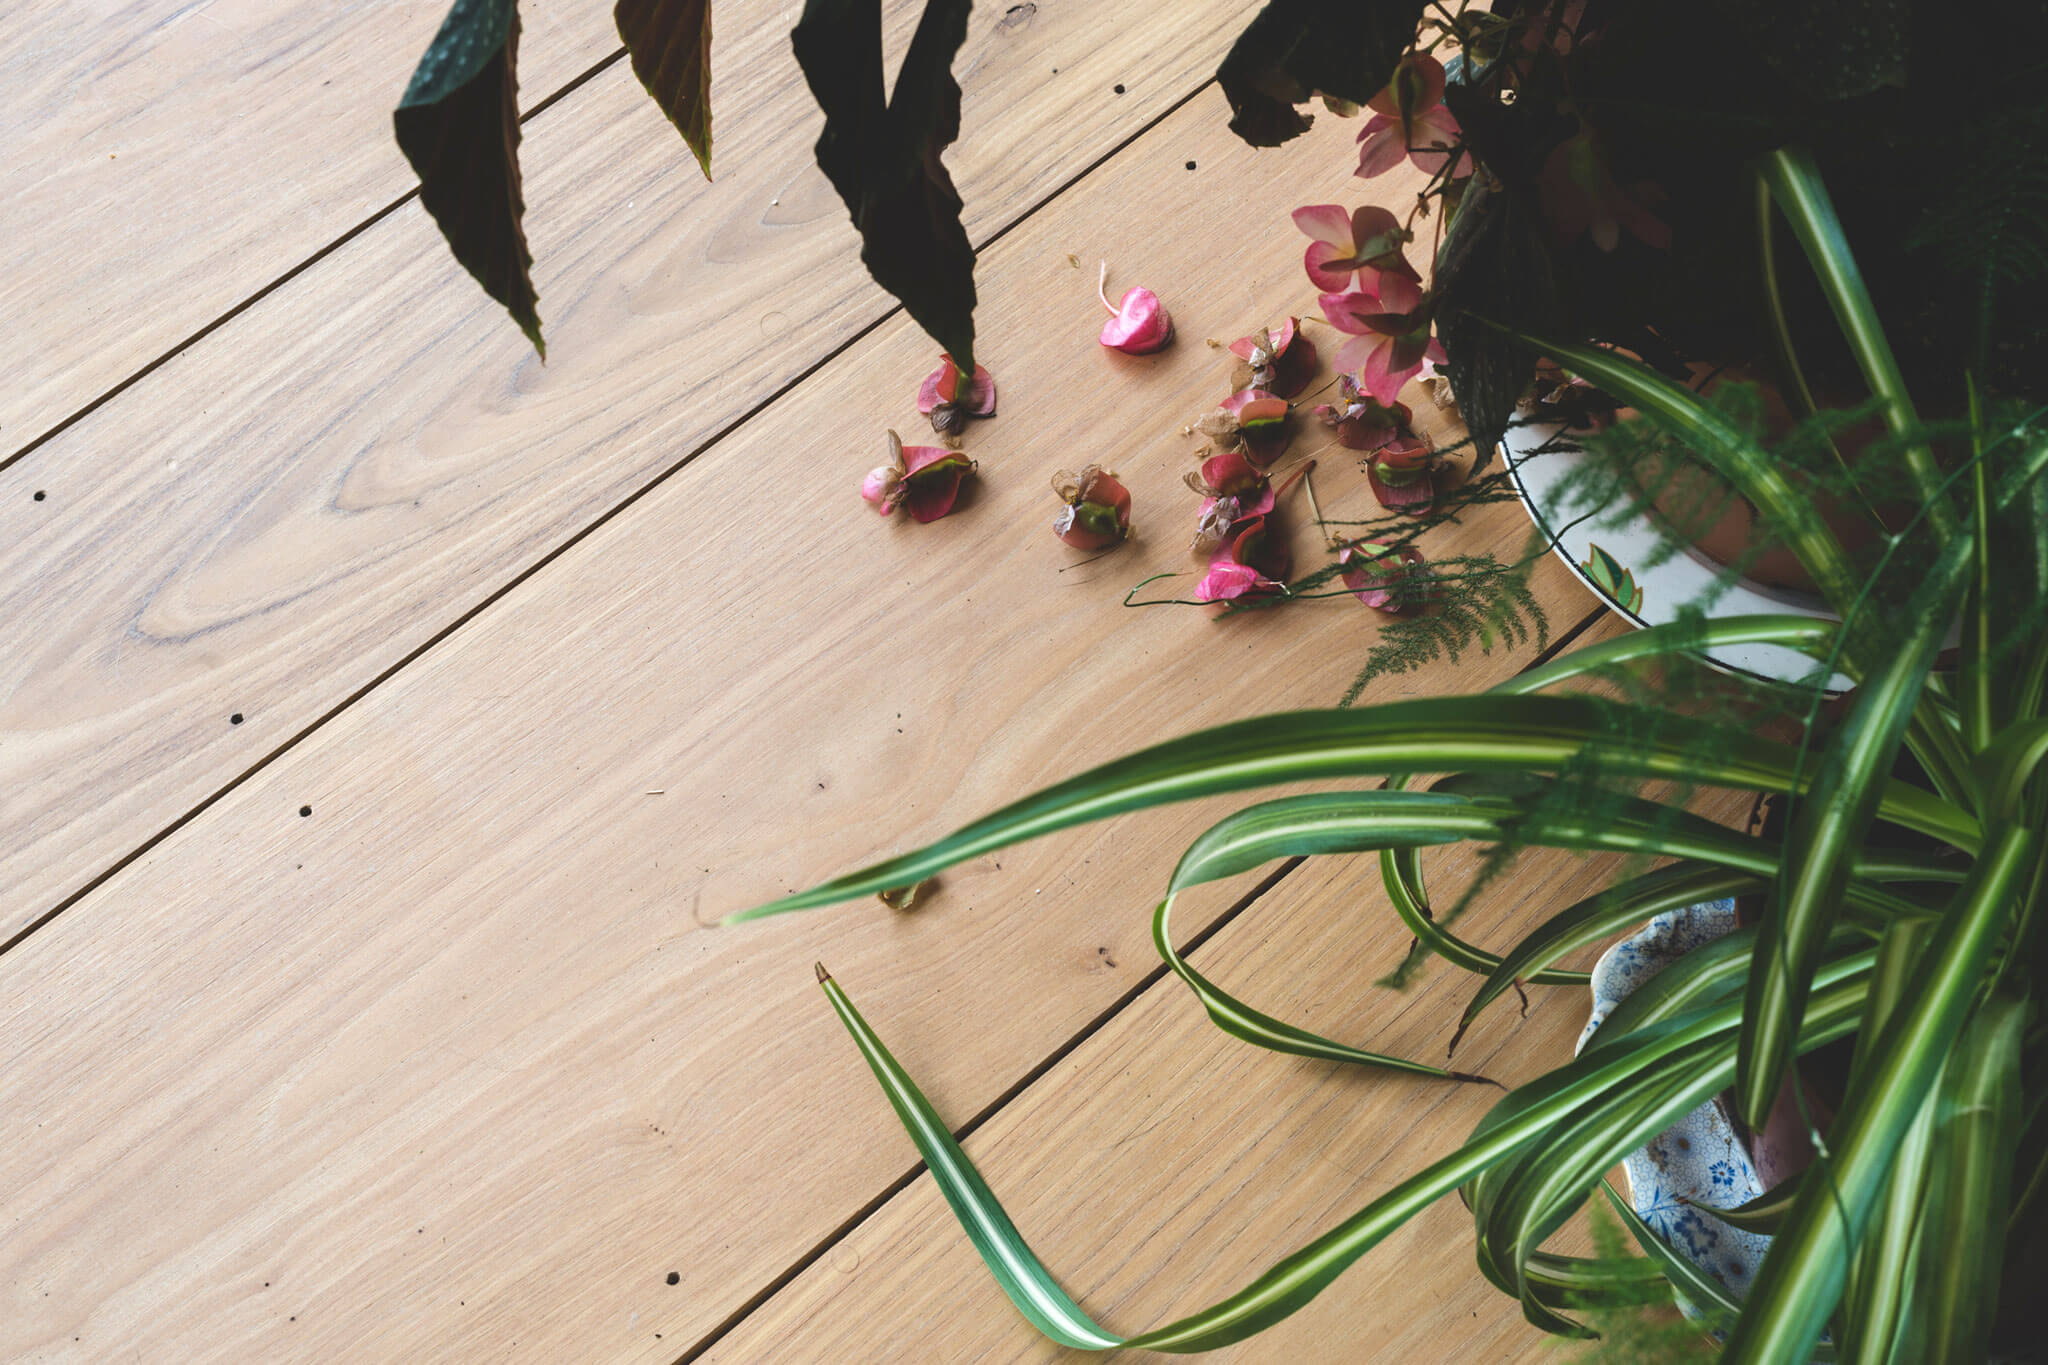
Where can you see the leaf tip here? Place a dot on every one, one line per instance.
(823, 975)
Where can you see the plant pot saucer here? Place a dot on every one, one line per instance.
(1631, 566)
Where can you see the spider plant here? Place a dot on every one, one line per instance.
(1901, 904)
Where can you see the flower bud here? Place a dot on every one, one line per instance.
(1141, 324)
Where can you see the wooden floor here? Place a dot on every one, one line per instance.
(383, 715)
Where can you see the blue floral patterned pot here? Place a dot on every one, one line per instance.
(1700, 1160)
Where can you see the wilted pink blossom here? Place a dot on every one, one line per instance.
(949, 401)
(1391, 578)
(1097, 511)
(923, 480)
(1278, 359)
(1252, 562)
(1403, 474)
(1361, 421)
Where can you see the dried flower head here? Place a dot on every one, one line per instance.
(950, 399)
(923, 480)
(1097, 511)
(1279, 360)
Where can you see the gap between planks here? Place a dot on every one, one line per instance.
(264, 291)
(563, 546)
(1052, 1059)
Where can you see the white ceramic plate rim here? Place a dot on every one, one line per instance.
(1678, 580)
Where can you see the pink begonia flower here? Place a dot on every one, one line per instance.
(1280, 360)
(1389, 332)
(1403, 474)
(1579, 194)
(1141, 325)
(949, 403)
(1417, 84)
(1098, 508)
(1251, 563)
(1389, 578)
(1428, 142)
(923, 480)
(1410, 120)
(1361, 421)
(1232, 490)
(1368, 238)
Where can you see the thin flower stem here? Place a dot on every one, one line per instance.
(1102, 288)
(1160, 601)
(1308, 486)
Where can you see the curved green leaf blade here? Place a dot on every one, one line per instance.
(1260, 1029)
(1023, 1277)
(1401, 874)
(1523, 1115)
(1605, 913)
(1568, 1283)
(1803, 1276)
(1828, 827)
(1969, 1184)
(1812, 635)
(670, 44)
(1761, 1214)
(458, 125)
(1467, 734)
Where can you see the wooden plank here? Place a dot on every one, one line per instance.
(165, 160)
(291, 508)
(449, 1069)
(1163, 1164)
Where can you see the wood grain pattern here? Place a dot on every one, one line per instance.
(1164, 1164)
(165, 160)
(291, 507)
(447, 1069)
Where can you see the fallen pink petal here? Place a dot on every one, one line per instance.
(1389, 578)
(1139, 324)
(1097, 510)
(1250, 563)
